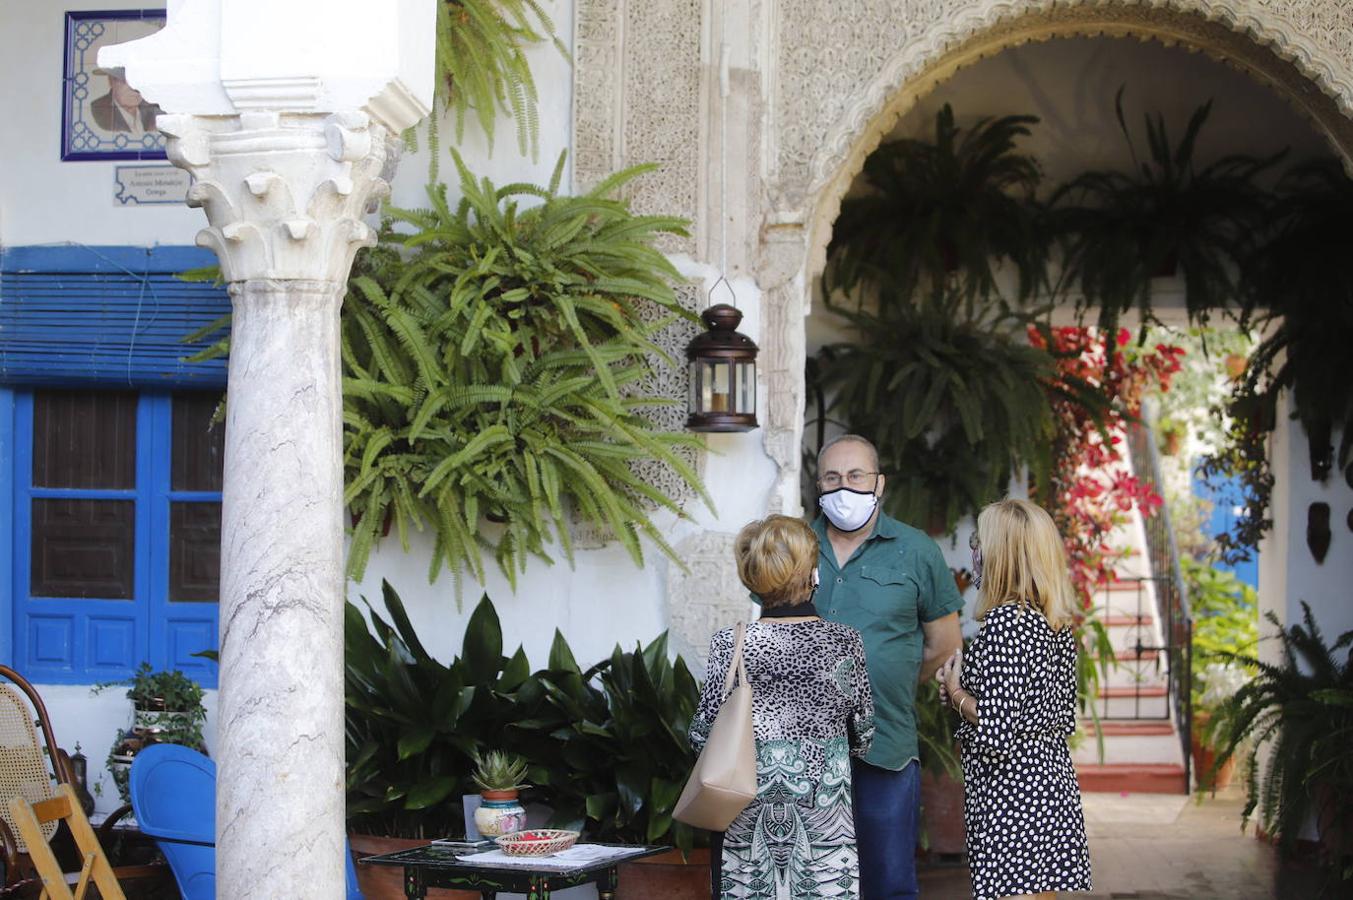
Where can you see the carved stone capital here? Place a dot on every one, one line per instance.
(285, 193)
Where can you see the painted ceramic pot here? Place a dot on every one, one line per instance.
(500, 813)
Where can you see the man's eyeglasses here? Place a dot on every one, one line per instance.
(855, 478)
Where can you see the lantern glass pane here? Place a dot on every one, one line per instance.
(693, 389)
(747, 388)
(720, 375)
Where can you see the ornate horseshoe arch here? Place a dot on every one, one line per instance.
(816, 85)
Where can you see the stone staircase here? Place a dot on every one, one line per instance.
(1142, 752)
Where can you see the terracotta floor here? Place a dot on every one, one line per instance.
(1163, 847)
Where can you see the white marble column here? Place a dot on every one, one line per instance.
(285, 112)
(285, 195)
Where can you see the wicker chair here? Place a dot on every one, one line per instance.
(31, 770)
(28, 770)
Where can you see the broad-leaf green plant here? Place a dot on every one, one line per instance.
(492, 376)
(605, 748)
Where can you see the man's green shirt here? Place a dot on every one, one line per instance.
(896, 580)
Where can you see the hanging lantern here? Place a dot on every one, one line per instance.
(723, 374)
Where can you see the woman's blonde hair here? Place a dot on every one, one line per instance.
(1024, 562)
(776, 556)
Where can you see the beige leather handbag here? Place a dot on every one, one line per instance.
(723, 781)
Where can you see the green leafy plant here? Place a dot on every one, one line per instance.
(651, 701)
(1297, 286)
(1225, 622)
(954, 402)
(414, 725)
(940, 211)
(481, 60)
(1304, 706)
(499, 771)
(494, 375)
(168, 708)
(936, 724)
(605, 747)
(1118, 230)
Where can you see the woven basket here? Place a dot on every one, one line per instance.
(537, 842)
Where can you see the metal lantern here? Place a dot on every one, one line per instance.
(723, 374)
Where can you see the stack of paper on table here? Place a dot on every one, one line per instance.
(572, 858)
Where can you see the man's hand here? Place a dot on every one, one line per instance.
(942, 637)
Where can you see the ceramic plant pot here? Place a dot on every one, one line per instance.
(500, 813)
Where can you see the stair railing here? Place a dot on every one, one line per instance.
(1172, 602)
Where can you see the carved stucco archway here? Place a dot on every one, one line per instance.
(816, 85)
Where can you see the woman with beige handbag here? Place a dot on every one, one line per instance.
(811, 711)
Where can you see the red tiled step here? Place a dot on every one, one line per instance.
(1137, 778)
(1124, 621)
(1130, 728)
(1116, 585)
(1140, 690)
(1132, 654)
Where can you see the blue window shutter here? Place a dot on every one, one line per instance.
(112, 316)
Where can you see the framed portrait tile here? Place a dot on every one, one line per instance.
(103, 117)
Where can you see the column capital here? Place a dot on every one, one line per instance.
(285, 193)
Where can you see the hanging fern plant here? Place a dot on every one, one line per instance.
(482, 65)
(955, 403)
(489, 378)
(1170, 214)
(943, 212)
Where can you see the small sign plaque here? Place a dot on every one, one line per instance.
(150, 185)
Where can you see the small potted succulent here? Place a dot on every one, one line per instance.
(499, 778)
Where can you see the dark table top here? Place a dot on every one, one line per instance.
(448, 858)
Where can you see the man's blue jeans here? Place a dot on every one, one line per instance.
(887, 813)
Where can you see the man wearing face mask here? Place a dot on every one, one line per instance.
(890, 582)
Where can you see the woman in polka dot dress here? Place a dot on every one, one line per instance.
(1016, 694)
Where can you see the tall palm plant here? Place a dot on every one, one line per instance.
(942, 211)
(1118, 230)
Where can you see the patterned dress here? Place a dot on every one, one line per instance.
(1022, 805)
(812, 711)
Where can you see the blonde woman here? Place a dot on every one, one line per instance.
(1016, 694)
(812, 710)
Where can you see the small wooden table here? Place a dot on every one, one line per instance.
(440, 866)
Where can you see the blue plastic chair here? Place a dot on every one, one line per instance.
(173, 792)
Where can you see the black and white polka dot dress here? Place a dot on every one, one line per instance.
(1022, 805)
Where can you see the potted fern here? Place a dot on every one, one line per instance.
(500, 778)
(1303, 704)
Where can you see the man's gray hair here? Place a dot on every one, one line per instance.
(849, 439)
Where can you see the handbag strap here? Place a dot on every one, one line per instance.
(737, 665)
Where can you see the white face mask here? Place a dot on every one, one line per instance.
(848, 510)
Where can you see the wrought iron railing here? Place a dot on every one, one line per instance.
(1167, 579)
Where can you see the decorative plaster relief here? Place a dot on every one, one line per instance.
(705, 599)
